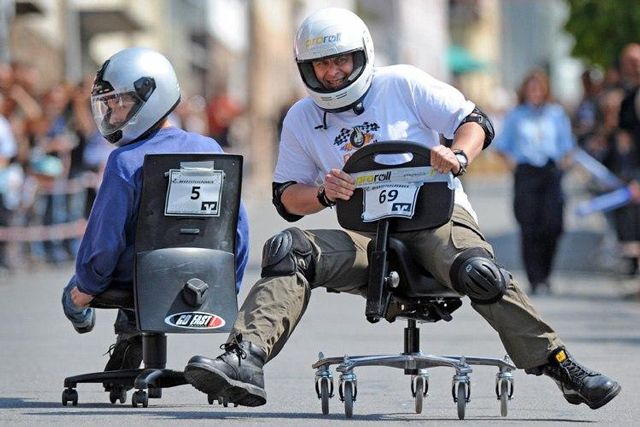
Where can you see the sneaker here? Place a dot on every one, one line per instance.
(126, 353)
(577, 383)
(235, 376)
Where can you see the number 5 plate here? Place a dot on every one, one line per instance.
(390, 200)
(193, 193)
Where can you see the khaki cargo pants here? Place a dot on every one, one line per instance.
(275, 305)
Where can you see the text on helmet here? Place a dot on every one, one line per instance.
(332, 38)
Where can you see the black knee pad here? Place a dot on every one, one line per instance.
(476, 275)
(287, 253)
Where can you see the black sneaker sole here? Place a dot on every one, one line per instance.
(217, 384)
(613, 393)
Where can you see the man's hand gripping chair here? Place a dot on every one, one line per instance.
(398, 287)
(184, 267)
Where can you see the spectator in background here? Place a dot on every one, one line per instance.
(10, 177)
(534, 142)
(222, 110)
(54, 136)
(627, 218)
(585, 117)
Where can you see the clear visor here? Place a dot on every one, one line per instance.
(112, 111)
(309, 76)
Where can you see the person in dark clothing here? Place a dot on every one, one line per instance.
(627, 167)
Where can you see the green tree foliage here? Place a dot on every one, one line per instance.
(601, 28)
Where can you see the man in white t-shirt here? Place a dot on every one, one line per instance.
(352, 104)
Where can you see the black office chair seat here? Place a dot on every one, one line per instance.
(398, 287)
(114, 298)
(418, 295)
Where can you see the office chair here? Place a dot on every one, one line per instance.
(397, 192)
(184, 280)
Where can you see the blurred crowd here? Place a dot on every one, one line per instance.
(606, 124)
(52, 155)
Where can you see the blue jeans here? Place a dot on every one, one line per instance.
(78, 316)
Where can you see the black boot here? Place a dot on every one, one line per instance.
(235, 375)
(126, 353)
(577, 383)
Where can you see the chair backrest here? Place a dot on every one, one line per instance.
(397, 191)
(186, 241)
(433, 203)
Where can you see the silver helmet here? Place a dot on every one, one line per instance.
(133, 91)
(332, 32)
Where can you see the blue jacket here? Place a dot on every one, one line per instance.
(106, 253)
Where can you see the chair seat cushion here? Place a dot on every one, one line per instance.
(415, 281)
(114, 298)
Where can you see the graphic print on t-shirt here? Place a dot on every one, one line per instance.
(349, 140)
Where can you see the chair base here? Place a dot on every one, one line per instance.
(154, 377)
(416, 364)
(118, 382)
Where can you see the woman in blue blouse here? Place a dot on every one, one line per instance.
(534, 142)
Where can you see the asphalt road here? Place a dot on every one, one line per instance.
(588, 308)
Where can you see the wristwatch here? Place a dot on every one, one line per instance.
(323, 199)
(463, 161)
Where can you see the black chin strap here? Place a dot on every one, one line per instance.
(358, 109)
(324, 122)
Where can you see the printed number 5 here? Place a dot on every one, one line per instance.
(195, 192)
(390, 196)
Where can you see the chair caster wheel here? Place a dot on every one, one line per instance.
(140, 397)
(504, 392)
(117, 393)
(461, 395)
(210, 399)
(70, 395)
(419, 389)
(348, 395)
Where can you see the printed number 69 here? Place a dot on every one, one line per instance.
(387, 196)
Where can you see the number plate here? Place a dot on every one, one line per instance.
(194, 193)
(387, 200)
(393, 192)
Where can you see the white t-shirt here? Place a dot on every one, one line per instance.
(403, 103)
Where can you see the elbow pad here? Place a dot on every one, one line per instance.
(483, 120)
(277, 190)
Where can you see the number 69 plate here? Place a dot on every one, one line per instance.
(194, 193)
(390, 200)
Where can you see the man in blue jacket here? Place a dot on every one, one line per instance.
(132, 95)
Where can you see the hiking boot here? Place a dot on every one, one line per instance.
(235, 376)
(126, 353)
(577, 383)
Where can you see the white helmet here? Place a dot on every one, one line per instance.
(331, 32)
(133, 91)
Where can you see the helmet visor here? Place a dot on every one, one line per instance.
(113, 110)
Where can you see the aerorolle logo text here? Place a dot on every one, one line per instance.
(373, 178)
(331, 38)
(195, 320)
